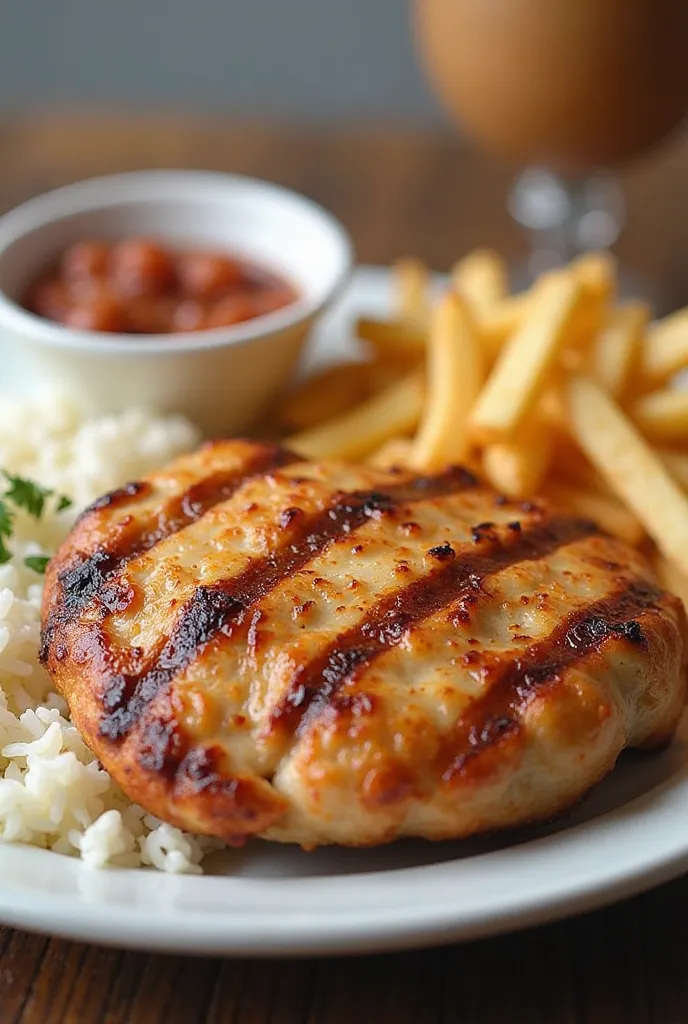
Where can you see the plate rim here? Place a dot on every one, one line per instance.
(85, 917)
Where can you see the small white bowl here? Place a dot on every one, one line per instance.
(224, 378)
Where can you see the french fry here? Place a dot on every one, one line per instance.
(497, 324)
(394, 452)
(355, 434)
(630, 466)
(412, 292)
(551, 407)
(671, 578)
(517, 467)
(523, 367)
(393, 339)
(676, 463)
(333, 391)
(482, 280)
(570, 466)
(595, 273)
(455, 373)
(665, 350)
(616, 349)
(606, 510)
(326, 394)
(573, 359)
(662, 415)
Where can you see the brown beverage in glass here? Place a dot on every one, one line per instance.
(573, 85)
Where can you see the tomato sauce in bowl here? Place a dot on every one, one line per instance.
(137, 286)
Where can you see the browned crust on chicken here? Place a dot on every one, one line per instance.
(254, 645)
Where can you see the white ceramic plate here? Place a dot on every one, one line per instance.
(630, 834)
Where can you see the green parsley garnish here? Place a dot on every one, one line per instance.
(5, 554)
(37, 562)
(26, 494)
(6, 528)
(30, 496)
(6, 517)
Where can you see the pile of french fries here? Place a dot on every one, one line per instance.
(562, 391)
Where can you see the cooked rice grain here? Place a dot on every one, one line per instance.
(53, 793)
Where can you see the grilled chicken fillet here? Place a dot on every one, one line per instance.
(322, 653)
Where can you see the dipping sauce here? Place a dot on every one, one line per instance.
(136, 286)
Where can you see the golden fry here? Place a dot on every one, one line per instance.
(676, 463)
(498, 323)
(523, 368)
(671, 577)
(455, 374)
(395, 452)
(570, 466)
(551, 407)
(665, 350)
(594, 272)
(616, 349)
(663, 415)
(482, 280)
(605, 510)
(382, 374)
(355, 434)
(412, 292)
(393, 339)
(326, 394)
(630, 466)
(517, 467)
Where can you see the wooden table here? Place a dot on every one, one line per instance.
(397, 192)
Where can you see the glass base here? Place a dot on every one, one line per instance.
(567, 217)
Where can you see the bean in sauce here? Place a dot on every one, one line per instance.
(136, 286)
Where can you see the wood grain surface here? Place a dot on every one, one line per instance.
(397, 192)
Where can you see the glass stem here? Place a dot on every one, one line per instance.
(566, 216)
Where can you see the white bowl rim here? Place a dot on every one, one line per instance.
(92, 194)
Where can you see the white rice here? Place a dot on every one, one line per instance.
(53, 794)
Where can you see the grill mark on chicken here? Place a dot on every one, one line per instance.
(223, 605)
(83, 581)
(120, 496)
(165, 749)
(385, 624)
(237, 805)
(510, 686)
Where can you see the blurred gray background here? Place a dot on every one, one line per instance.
(297, 59)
